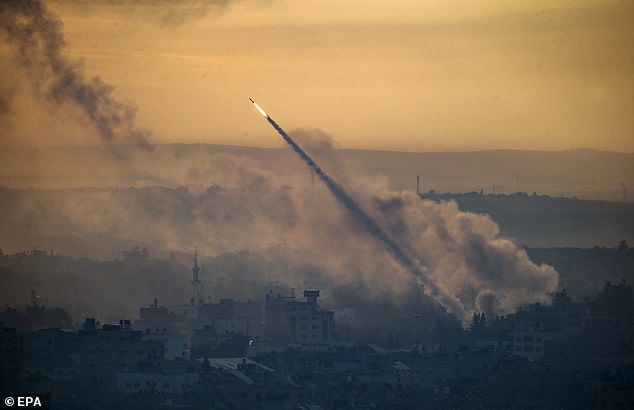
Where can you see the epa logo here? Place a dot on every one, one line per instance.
(23, 401)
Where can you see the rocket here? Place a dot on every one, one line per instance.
(264, 114)
(374, 229)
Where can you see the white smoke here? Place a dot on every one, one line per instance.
(460, 258)
(464, 254)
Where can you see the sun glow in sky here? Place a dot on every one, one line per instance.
(398, 75)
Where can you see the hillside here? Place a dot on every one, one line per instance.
(587, 174)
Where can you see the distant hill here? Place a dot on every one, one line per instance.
(544, 221)
(584, 173)
(541, 216)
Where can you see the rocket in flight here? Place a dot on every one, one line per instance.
(392, 247)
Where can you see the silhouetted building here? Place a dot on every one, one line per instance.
(615, 299)
(114, 349)
(233, 317)
(276, 317)
(175, 377)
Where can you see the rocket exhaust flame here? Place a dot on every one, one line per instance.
(402, 258)
(264, 114)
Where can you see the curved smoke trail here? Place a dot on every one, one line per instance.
(35, 36)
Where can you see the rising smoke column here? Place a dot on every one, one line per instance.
(35, 35)
(452, 305)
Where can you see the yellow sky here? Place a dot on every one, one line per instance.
(399, 75)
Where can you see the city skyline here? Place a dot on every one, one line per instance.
(444, 220)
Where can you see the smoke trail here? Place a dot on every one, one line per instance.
(35, 34)
(452, 305)
(170, 13)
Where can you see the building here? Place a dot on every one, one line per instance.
(288, 320)
(48, 352)
(114, 349)
(276, 317)
(308, 323)
(176, 344)
(164, 380)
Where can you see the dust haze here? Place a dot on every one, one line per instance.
(228, 203)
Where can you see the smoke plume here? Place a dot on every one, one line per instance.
(225, 203)
(170, 13)
(372, 227)
(484, 260)
(35, 35)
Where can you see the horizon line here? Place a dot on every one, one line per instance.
(100, 145)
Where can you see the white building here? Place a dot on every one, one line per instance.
(308, 323)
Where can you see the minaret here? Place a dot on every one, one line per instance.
(195, 280)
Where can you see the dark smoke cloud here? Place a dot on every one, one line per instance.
(6, 95)
(35, 35)
(174, 13)
(170, 13)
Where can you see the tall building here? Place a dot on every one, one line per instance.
(308, 323)
(295, 321)
(114, 349)
(276, 317)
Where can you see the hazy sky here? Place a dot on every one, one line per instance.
(399, 75)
